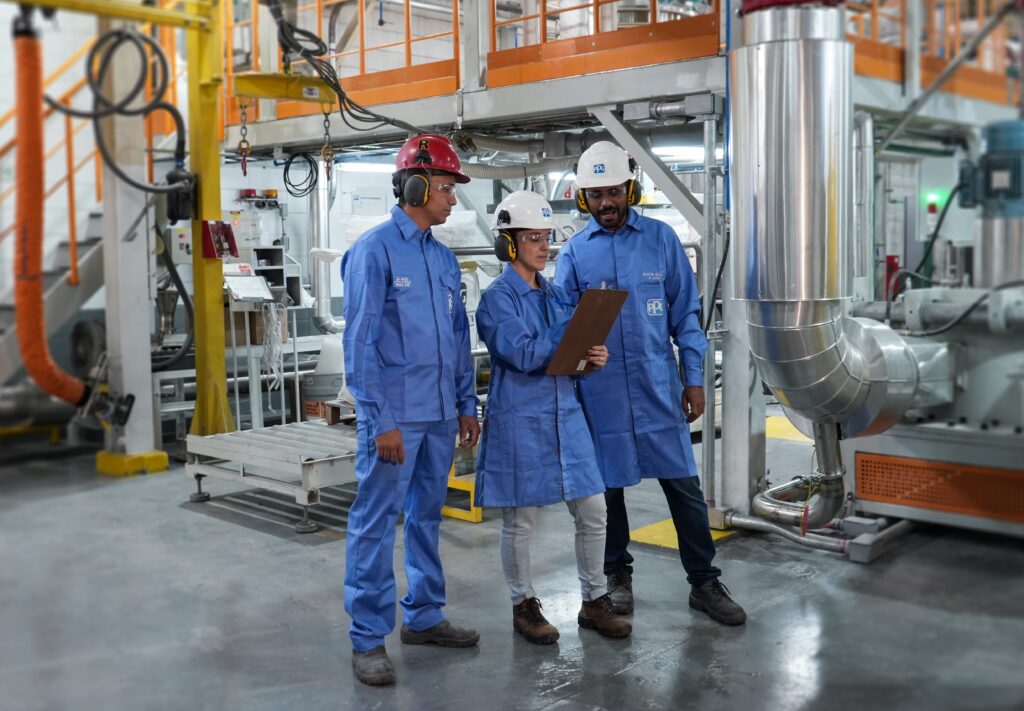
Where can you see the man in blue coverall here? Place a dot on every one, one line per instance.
(637, 407)
(408, 364)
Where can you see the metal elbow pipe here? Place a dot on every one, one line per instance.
(808, 502)
(320, 272)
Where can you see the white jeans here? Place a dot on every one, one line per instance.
(517, 524)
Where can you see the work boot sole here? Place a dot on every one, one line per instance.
(535, 639)
(412, 637)
(589, 624)
(626, 609)
(732, 621)
(385, 679)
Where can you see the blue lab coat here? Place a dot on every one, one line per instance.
(634, 405)
(408, 364)
(535, 448)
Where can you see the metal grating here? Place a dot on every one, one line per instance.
(941, 486)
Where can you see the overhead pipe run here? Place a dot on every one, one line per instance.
(525, 170)
(320, 272)
(30, 310)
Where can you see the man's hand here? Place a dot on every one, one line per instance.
(390, 447)
(469, 431)
(693, 402)
(598, 356)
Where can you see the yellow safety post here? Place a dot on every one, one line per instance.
(205, 78)
(466, 482)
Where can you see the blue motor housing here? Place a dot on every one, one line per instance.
(996, 182)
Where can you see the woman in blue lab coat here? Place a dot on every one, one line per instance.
(536, 448)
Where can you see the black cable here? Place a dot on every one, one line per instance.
(938, 226)
(190, 315)
(308, 184)
(893, 282)
(967, 312)
(97, 65)
(709, 298)
(297, 42)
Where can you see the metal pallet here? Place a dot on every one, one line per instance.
(298, 459)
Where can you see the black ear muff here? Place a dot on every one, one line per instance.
(505, 246)
(581, 201)
(416, 190)
(633, 191)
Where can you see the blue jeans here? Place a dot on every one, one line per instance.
(690, 516)
(418, 487)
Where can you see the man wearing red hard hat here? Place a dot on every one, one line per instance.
(408, 364)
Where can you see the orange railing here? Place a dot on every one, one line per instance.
(878, 31)
(157, 124)
(379, 61)
(550, 39)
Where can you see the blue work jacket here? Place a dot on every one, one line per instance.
(634, 404)
(407, 356)
(535, 448)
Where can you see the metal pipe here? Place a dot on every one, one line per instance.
(864, 199)
(320, 270)
(26, 401)
(939, 314)
(708, 280)
(792, 221)
(809, 502)
(524, 170)
(811, 540)
(964, 54)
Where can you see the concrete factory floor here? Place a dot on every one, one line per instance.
(115, 594)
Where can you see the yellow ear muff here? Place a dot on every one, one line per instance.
(505, 246)
(416, 190)
(633, 192)
(581, 201)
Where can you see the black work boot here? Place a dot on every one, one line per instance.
(443, 634)
(620, 588)
(373, 667)
(529, 621)
(599, 615)
(713, 598)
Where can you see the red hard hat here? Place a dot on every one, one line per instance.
(431, 152)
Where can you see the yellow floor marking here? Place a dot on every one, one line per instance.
(779, 427)
(663, 534)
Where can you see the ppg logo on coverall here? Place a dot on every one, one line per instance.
(655, 307)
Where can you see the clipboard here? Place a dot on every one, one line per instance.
(589, 326)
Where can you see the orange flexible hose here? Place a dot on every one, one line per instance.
(28, 219)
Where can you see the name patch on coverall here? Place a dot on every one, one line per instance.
(402, 282)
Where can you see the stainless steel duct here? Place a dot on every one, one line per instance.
(791, 191)
(319, 270)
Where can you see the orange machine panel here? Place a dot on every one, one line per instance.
(941, 486)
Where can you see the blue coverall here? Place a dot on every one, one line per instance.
(634, 404)
(535, 448)
(408, 364)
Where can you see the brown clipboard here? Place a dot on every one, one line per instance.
(589, 326)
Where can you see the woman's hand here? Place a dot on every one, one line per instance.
(598, 356)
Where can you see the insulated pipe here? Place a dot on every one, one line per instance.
(320, 269)
(511, 172)
(790, 192)
(28, 247)
(505, 145)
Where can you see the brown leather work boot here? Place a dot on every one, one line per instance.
(599, 615)
(529, 621)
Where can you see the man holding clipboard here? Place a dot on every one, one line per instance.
(637, 407)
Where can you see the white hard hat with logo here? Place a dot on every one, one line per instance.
(523, 210)
(602, 165)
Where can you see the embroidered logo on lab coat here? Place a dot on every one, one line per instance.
(402, 282)
(451, 301)
(655, 307)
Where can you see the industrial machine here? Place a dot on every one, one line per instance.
(916, 408)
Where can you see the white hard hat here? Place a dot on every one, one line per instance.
(523, 209)
(602, 165)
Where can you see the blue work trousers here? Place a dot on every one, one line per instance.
(418, 487)
(690, 517)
